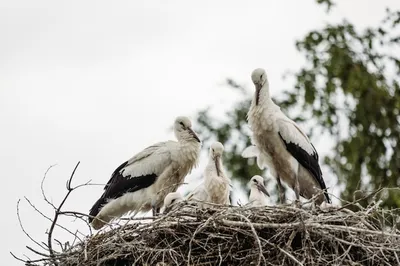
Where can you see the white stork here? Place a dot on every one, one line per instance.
(141, 183)
(216, 185)
(258, 192)
(282, 145)
(171, 201)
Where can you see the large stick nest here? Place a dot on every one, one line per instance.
(221, 235)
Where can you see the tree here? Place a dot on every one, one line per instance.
(350, 87)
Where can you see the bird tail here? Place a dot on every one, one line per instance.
(99, 222)
(328, 199)
(95, 221)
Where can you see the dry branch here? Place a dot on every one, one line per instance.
(226, 235)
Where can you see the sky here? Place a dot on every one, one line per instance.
(98, 81)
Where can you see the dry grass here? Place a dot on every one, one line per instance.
(221, 235)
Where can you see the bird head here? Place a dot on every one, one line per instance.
(171, 199)
(183, 129)
(216, 151)
(259, 78)
(258, 183)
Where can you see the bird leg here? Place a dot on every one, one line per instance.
(154, 207)
(155, 210)
(281, 191)
(297, 188)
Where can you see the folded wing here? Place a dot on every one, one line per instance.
(138, 173)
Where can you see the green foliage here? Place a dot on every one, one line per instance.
(351, 79)
(329, 4)
(350, 86)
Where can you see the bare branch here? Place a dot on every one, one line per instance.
(46, 217)
(42, 187)
(23, 229)
(57, 213)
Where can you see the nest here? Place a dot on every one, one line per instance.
(222, 235)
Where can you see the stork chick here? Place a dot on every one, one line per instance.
(171, 201)
(291, 155)
(141, 183)
(216, 185)
(258, 192)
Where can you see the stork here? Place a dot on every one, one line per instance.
(171, 201)
(216, 185)
(282, 145)
(142, 182)
(258, 192)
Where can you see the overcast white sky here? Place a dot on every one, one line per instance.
(97, 81)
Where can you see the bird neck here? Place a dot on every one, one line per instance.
(254, 193)
(215, 166)
(262, 97)
(190, 151)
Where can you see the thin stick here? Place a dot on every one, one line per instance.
(56, 215)
(23, 229)
(42, 187)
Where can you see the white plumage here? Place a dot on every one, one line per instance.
(263, 159)
(142, 182)
(216, 185)
(171, 201)
(258, 192)
(281, 145)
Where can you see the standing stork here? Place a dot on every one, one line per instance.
(258, 192)
(216, 185)
(141, 183)
(283, 146)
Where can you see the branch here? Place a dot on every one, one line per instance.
(23, 229)
(46, 217)
(42, 187)
(57, 213)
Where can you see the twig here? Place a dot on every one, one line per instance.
(289, 255)
(56, 215)
(257, 239)
(45, 216)
(42, 187)
(23, 229)
(17, 258)
(37, 252)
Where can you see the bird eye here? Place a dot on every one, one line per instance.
(172, 201)
(181, 123)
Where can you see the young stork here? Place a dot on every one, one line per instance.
(141, 183)
(284, 147)
(258, 192)
(216, 185)
(171, 201)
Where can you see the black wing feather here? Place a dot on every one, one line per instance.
(310, 162)
(118, 185)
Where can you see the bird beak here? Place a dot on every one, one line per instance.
(191, 132)
(216, 158)
(262, 189)
(167, 209)
(258, 89)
